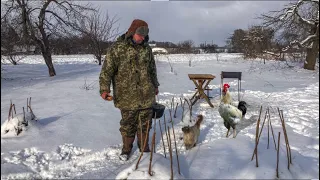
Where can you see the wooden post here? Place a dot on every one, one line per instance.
(238, 90)
(257, 132)
(175, 111)
(24, 115)
(10, 111)
(268, 127)
(154, 133)
(284, 125)
(190, 108)
(221, 86)
(175, 144)
(170, 115)
(265, 117)
(285, 137)
(165, 128)
(285, 140)
(172, 104)
(277, 170)
(274, 141)
(183, 110)
(164, 147)
(144, 146)
(14, 108)
(170, 150)
(151, 153)
(141, 142)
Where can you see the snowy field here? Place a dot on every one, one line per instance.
(77, 133)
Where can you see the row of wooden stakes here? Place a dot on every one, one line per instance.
(168, 137)
(258, 134)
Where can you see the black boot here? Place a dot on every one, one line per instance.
(126, 148)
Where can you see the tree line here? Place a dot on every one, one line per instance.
(72, 27)
(293, 29)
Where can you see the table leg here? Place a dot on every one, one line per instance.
(194, 94)
(205, 96)
(201, 92)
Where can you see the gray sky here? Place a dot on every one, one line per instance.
(174, 21)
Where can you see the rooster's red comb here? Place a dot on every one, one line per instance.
(226, 86)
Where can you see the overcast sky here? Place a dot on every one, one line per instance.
(174, 21)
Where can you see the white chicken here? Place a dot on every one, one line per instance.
(230, 114)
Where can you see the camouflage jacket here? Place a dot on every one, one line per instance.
(132, 71)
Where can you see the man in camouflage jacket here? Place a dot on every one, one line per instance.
(130, 67)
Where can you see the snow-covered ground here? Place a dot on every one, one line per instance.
(77, 133)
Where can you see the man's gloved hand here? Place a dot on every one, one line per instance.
(106, 96)
(157, 91)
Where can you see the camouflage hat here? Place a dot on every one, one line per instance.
(143, 30)
(138, 26)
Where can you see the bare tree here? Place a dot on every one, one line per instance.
(98, 31)
(41, 19)
(208, 48)
(236, 40)
(257, 40)
(301, 17)
(185, 46)
(10, 40)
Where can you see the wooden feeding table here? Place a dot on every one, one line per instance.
(201, 82)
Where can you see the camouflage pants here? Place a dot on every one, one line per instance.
(130, 124)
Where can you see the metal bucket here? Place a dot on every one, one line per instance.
(158, 110)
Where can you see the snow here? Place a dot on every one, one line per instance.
(160, 168)
(77, 133)
(10, 127)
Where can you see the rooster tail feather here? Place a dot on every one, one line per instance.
(242, 107)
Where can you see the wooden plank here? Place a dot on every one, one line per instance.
(201, 76)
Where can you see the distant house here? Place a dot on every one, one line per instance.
(158, 50)
(201, 51)
(153, 45)
(196, 51)
(222, 49)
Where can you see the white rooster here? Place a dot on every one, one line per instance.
(230, 114)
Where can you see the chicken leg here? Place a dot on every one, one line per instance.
(228, 132)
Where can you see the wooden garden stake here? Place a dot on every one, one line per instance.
(175, 144)
(164, 148)
(144, 146)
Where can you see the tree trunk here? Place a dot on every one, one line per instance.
(12, 60)
(46, 54)
(99, 60)
(313, 52)
(48, 59)
(311, 58)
